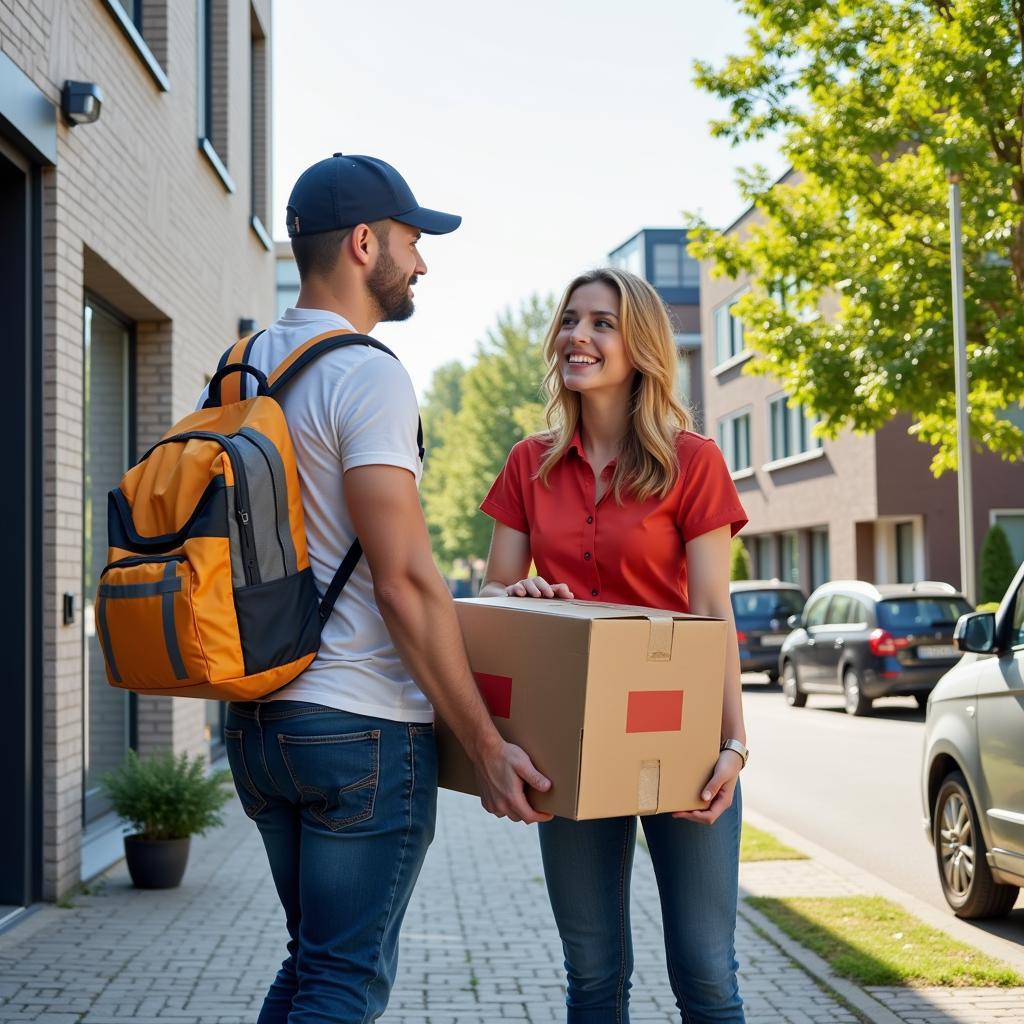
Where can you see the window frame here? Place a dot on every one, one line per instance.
(726, 429)
(204, 33)
(133, 32)
(796, 427)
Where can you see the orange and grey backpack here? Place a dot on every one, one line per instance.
(208, 591)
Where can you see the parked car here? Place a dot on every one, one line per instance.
(974, 757)
(866, 641)
(762, 609)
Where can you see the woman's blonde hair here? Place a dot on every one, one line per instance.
(647, 461)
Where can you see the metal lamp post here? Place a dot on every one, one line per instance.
(963, 434)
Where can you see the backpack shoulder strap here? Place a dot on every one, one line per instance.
(286, 372)
(233, 387)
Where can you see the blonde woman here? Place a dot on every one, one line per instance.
(620, 501)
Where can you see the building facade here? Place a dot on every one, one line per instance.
(659, 256)
(134, 245)
(864, 506)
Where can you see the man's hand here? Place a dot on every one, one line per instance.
(720, 789)
(502, 774)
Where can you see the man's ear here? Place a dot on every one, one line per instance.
(362, 244)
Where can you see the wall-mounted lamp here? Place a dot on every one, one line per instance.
(81, 102)
(246, 326)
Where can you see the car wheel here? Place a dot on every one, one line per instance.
(854, 701)
(964, 873)
(795, 697)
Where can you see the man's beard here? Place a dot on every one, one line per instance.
(390, 289)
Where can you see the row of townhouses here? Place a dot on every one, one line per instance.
(864, 506)
(135, 185)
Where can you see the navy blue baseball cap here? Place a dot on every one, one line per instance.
(343, 191)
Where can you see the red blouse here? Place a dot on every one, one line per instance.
(633, 553)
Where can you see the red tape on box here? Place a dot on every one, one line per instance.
(496, 692)
(654, 711)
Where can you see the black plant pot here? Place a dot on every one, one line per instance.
(156, 863)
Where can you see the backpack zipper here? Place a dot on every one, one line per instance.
(124, 563)
(250, 563)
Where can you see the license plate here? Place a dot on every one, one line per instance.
(773, 641)
(938, 651)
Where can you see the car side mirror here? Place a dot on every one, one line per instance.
(793, 621)
(976, 633)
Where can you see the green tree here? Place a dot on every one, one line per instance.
(997, 568)
(874, 101)
(739, 563)
(500, 402)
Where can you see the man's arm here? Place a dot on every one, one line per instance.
(418, 611)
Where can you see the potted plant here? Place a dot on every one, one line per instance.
(167, 799)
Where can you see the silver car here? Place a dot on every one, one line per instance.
(972, 776)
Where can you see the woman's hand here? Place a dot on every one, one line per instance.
(720, 789)
(537, 586)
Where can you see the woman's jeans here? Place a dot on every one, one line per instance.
(587, 866)
(345, 806)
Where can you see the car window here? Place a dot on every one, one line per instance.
(1017, 628)
(816, 613)
(858, 612)
(767, 604)
(839, 609)
(921, 612)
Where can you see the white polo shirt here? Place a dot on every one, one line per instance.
(352, 407)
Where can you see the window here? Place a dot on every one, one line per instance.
(729, 341)
(734, 440)
(788, 292)
(790, 558)
(915, 613)
(107, 449)
(791, 429)
(904, 552)
(816, 613)
(674, 267)
(144, 23)
(630, 257)
(259, 150)
(1017, 628)
(839, 610)
(819, 556)
(287, 280)
(764, 553)
(213, 86)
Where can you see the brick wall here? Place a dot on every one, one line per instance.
(136, 214)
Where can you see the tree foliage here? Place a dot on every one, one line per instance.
(740, 567)
(875, 100)
(997, 567)
(499, 402)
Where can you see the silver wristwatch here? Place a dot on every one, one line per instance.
(738, 747)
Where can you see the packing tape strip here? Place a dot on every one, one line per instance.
(659, 641)
(648, 785)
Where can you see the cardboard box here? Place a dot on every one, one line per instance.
(621, 707)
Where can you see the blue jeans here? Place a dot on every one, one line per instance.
(345, 806)
(587, 866)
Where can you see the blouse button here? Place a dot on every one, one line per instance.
(590, 519)
(586, 556)
(593, 593)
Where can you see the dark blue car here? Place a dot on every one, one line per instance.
(761, 608)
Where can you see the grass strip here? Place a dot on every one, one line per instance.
(874, 942)
(758, 845)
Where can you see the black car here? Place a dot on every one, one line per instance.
(762, 609)
(868, 641)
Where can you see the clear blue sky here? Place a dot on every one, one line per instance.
(557, 128)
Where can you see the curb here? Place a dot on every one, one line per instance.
(970, 934)
(816, 967)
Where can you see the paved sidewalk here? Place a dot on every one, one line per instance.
(479, 945)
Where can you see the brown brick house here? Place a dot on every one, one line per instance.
(132, 248)
(863, 506)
